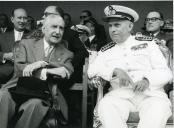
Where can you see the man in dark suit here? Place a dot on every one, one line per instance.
(38, 59)
(5, 25)
(100, 30)
(153, 25)
(7, 43)
(154, 22)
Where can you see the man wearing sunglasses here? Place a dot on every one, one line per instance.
(100, 30)
(153, 23)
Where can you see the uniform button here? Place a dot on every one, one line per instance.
(125, 55)
(59, 59)
(127, 63)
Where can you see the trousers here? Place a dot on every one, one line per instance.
(32, 111)
(114, 111)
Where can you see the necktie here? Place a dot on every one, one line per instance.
(19, 36)
(48, 50)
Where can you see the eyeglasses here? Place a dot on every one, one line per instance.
(49, 13)
(83, 17)
(154, 19)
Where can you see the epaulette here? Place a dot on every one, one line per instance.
(107, 46)
(141, 37)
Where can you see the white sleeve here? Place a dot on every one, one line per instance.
(99, 68)
(160, 74)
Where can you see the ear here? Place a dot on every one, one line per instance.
(131, 25)
(43, 29)
(162, 23)
(12, 19)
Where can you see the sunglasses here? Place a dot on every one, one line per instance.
(83, 17)
(154, 19)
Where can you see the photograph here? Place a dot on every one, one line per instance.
(86, 64)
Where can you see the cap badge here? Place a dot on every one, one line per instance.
(111, 11)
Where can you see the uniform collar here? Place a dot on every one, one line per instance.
(127, 42)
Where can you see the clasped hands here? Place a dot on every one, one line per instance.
(28, 70)
(122, 79)
(125, 80)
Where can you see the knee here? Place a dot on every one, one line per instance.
(34, 102)
(104, 105)
(31, 104)
(159, 108)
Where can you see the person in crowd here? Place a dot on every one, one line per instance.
(168, 29)
(154, 22)
(100, 30)
(35, 60)
(154, 25)
(7, 43)
(73, 42)
(31, 25)
(67, 19)
(135, 86)
(93, 42)
(5, 25)
(74, 45)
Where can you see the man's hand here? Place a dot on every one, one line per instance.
(28, 70)
(58, 71)
(8, 56)
(122, 77)
(96, 82)
(141, 86)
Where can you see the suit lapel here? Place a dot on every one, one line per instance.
(38, 50)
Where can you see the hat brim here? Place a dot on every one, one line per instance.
(107, 19)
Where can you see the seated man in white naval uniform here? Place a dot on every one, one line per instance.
(137, 72)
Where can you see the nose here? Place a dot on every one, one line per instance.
(58, 30)
(113, 29)
(23, 19)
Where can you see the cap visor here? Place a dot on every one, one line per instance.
(106, 19)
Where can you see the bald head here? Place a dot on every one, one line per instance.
(19, 19)
(53, 28)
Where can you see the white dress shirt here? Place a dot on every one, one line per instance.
(48, 49)
(18, 35)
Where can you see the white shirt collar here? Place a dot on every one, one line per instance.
(91, 38)
(46, 44)
(16, 33)
(155, 34)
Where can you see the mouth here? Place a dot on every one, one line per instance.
(56, 37)
(21, 25)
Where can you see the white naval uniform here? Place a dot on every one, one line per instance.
(139, 59)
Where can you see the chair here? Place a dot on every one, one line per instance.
(84, 88)
(133, 117)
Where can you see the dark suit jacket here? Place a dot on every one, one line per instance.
(95, 44)
(161, 36)
(7, 43)
(101, 33)
(75, 46)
